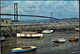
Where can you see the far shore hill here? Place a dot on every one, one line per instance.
(54, 20)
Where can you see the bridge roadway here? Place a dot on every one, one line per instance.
(24, 15)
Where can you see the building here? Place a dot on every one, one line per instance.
(5, 21)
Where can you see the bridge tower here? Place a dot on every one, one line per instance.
(51, 14)
(15, 12)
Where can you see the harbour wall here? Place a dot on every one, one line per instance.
(12, 29)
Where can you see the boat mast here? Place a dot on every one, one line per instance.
(74, 31)
(20, 31)
(72, 40)
(34, 19)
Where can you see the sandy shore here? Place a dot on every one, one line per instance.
(42, 44)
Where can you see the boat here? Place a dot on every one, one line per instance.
(23, 49)
(47, 31)
(30, 35)
(2, 38)
(73, 39)
(77, 29)
(60, 40)
(77, 37)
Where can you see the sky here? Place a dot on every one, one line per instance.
(59, 9)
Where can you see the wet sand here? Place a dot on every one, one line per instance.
(43, 45)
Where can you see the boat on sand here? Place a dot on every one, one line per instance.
(60, 40)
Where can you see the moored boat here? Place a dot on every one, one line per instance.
(47, 31)
(25, 49)
(77, 29)
(30, 35)
(73, 39)
(60, 40)
(2, 38)
(77, 37)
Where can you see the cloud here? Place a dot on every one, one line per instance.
(60, 9)
(7, 9)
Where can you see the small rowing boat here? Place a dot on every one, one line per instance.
(2, 38)
(47, 31)
(60, 40)
(73, 39)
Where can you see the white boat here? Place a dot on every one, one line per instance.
(47, 31)
(77, 29)
(60, 40)
(77, 37)
(30, 35)
(2, 38)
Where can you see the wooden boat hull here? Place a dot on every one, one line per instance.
(23, 50)
(74, 39)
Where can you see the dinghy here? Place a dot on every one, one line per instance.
(25, 49)
(2, 38)
(21, 49)
(60, 40)
(73, 39)
(47, 31)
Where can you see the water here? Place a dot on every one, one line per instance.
(29, 22)
(43, 45)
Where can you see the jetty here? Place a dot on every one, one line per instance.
(12, 29)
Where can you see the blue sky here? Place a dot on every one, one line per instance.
(60, 9)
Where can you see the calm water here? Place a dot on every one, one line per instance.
(43, 45)
(30, 22)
